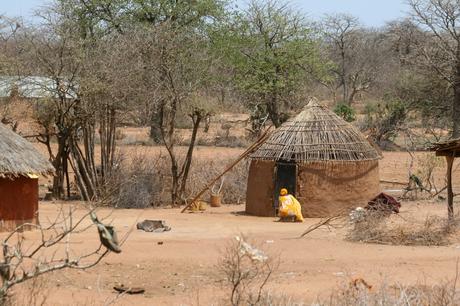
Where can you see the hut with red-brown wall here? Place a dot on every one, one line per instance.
(20, 167)
(324, 161)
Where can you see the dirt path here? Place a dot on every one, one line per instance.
(182, 271)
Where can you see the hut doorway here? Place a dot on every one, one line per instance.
(285, 177)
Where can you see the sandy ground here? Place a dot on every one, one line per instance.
(183, 270)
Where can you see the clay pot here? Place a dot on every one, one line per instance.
(216, 200)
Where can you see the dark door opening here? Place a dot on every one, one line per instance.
(285, 177)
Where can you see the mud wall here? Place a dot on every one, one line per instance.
(259, 194)
(18, 202)
(326, 188)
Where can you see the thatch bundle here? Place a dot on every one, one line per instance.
(316, 134)
(19, 157)
(449, 147)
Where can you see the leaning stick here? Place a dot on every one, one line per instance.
(325, 221)
(393, 182)
(248, 151)
(439, 191)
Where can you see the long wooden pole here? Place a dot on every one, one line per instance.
(248, 151)
(450, 192)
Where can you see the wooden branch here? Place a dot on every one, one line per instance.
(437, 193)
(393, 182)
(321, 223)
(38, 135)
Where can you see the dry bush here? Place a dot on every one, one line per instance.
(442, 294)
(246, 270)
(232, 142)
(376, 228)
(33, 293)
(144, 180)
(139, 182)
(271, 299)
(218, 141)
(235, 181)
(24, 261)
(426, 164)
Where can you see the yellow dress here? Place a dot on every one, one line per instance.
(289, 206)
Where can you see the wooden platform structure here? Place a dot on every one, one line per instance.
(450, 149)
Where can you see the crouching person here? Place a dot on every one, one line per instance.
(289, 207)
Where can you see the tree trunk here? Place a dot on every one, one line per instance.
(58, 163)
(343, 72)
(351, 97)
(273, 110)
(196, 118)
(450, 192)
(85, 183)
(175, 179)
(107, 133)
(155, 127)
(88, 143)
(66, 172)
(167, 121)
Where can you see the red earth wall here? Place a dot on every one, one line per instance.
(18, 202)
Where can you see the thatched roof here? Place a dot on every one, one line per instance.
(19, 157)
(316, 134)
(449, 147)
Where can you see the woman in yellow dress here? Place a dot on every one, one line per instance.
(289, 206)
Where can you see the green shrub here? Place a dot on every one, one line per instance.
(345, 111)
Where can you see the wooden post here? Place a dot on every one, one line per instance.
(450, 193)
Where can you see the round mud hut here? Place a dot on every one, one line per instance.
(320, 158)
(20, 166)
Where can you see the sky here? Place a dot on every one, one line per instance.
(370, 12)
(20, 8)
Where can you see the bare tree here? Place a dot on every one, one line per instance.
(441, 54)
(357, 54)
(82, 97)
(403, 37)
(339, 33)
(8, 30)
(51, 56)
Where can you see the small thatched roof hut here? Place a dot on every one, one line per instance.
(20, 166)
(320, 158)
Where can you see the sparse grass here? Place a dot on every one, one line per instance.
(232, 142)
(441, 294)
(32, 293)
(377, 228)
